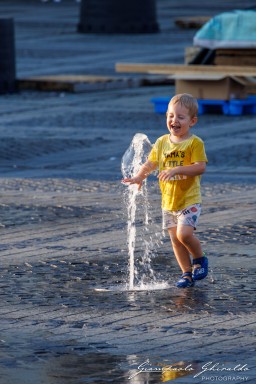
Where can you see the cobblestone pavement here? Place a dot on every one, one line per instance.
(66, 314)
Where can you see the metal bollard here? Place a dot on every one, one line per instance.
(7, 57)
(116, 16)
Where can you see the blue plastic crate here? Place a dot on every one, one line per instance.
(239, 107)
(234, 107)
(213, 106)
(204, 106)
(160, 104)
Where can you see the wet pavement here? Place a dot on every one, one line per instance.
(66, 313)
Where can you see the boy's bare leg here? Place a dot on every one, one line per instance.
(185, 243)
(185, 234)
(180, 251)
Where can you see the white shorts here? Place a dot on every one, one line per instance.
(187, 216)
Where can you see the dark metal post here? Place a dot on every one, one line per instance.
(117, 16)
(7, 57)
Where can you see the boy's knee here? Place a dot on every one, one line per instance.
(173, 236)
(185, 236)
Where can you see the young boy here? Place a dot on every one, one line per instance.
(181, 160)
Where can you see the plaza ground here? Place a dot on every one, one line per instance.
(66, 313)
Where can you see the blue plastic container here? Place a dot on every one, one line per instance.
(234, 107)
(161, 104)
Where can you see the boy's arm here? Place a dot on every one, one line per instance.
(145, 170)
(195, 169)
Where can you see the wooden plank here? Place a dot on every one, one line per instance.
(192, 21)
(236, 52)
(235, 60)
(237, 57)
(251, 89)
(173, 69)
(73, 78)
(75, 83)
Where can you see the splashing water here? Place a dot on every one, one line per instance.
(132, 160)
(135, 155)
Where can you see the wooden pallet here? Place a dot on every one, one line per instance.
(173, 69)
(74, 83)
(238, 57)
(251, 89)
(195, 22)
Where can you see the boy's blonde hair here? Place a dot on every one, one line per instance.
(186, 100)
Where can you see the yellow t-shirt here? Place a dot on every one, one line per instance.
(182, 191)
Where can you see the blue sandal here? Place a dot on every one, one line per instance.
(185, 283)
(201, 272)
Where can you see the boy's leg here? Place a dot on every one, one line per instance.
(180, 251)
(185, 235)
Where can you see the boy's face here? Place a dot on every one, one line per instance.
(179, 121)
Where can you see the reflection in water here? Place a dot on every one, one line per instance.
(155, 373)
(177, 370)
(187, 300)
(89, 368)
(60, 365)
(173, 300)
(50, 363)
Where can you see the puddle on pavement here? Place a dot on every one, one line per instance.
(26, 361)
(63, 367)
(134, 288)
(74, 285)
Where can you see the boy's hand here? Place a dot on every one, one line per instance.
(133, 180)
(166, 175)
(194, 169)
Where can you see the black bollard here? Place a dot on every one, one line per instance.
(7, 57)
(117, 16)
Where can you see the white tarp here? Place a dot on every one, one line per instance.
(236, 29)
